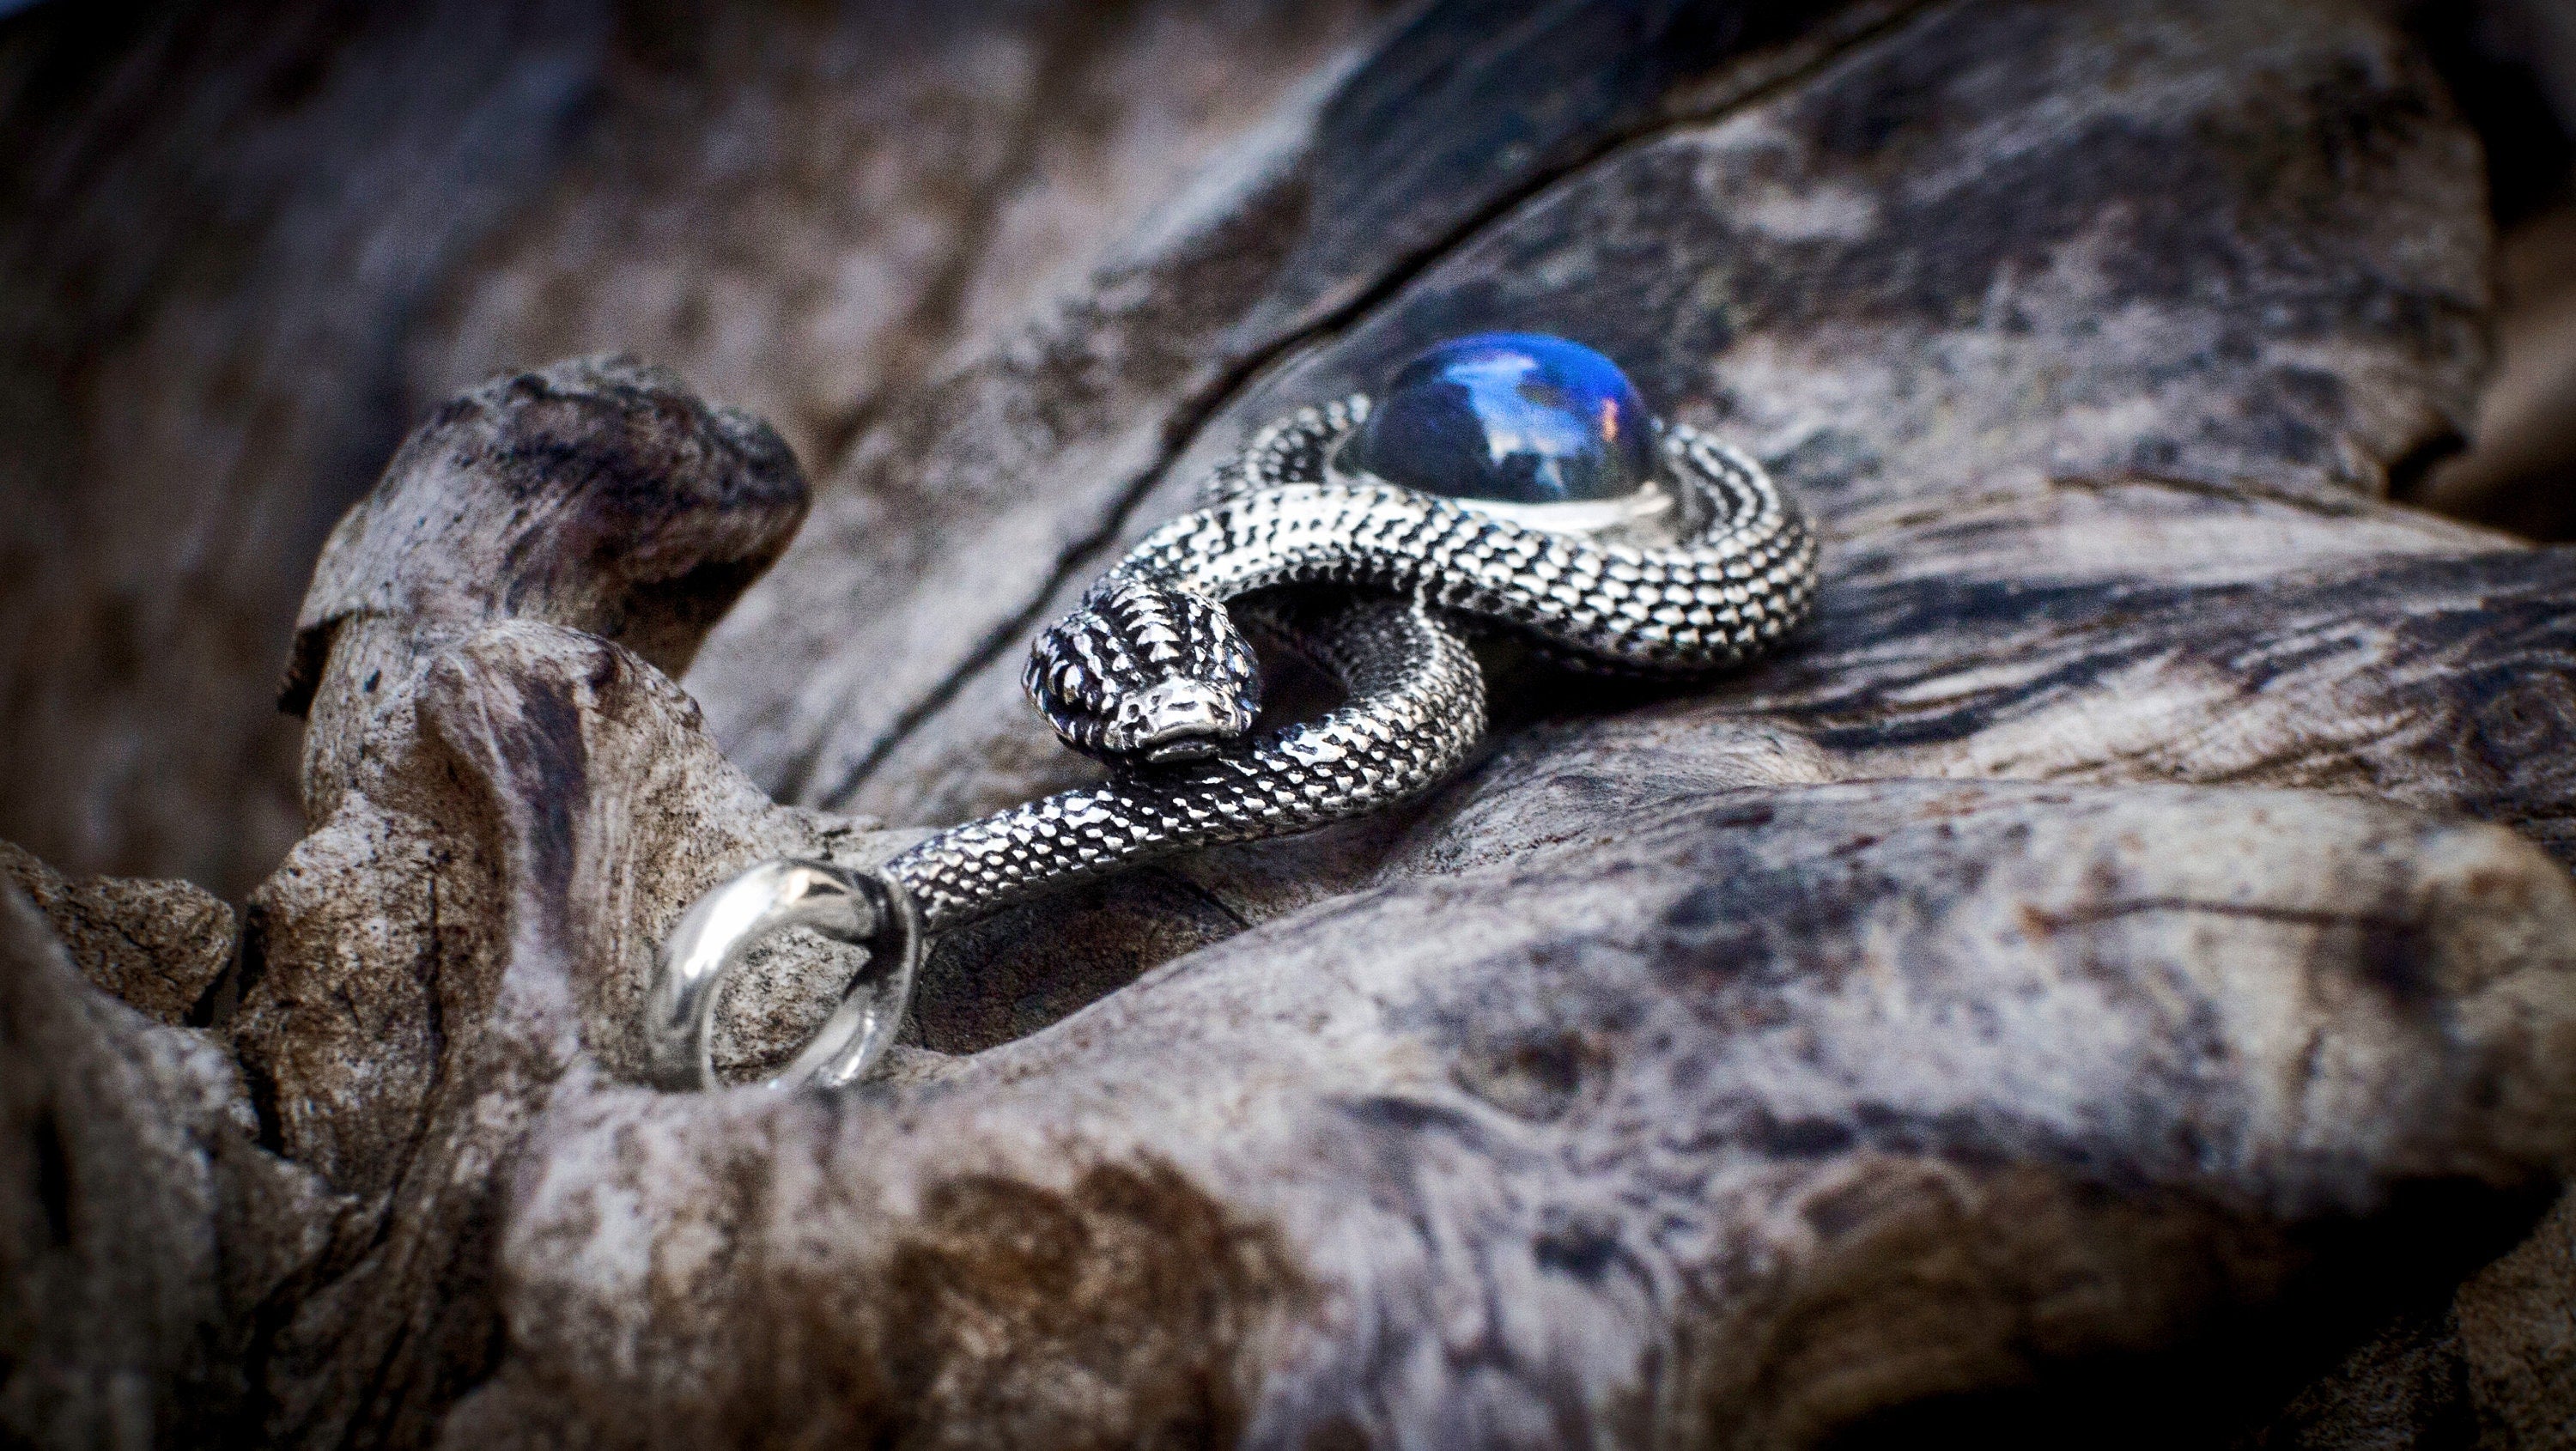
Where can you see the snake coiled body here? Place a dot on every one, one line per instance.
(1416, 708)
(1153, 641)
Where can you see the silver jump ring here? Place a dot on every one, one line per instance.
(859, 907)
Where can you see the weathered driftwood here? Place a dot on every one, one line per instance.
(2109, 982)
(244, 249)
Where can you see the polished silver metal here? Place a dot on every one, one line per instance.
(1702, 569)
(718, 931)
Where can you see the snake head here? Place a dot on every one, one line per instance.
(1145, 673)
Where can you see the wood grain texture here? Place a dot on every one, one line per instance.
(2114, 980)
(246, 249)
(158, 947)
(148, 1239)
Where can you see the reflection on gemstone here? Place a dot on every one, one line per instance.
(1521, 418)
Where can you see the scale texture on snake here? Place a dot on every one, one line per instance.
(1151, 675)
(1509, 481)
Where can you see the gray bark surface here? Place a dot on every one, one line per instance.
(2112, 979)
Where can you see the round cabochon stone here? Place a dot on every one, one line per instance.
(1522, 418)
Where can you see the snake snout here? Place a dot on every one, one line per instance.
(1179, 719)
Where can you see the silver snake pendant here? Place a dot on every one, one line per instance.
(1509, 482)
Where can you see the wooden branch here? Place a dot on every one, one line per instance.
(598, 494)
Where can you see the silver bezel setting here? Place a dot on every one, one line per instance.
(1657, 513)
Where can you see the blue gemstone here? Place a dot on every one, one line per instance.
(1520, 418)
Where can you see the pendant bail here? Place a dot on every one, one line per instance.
(860, 906)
